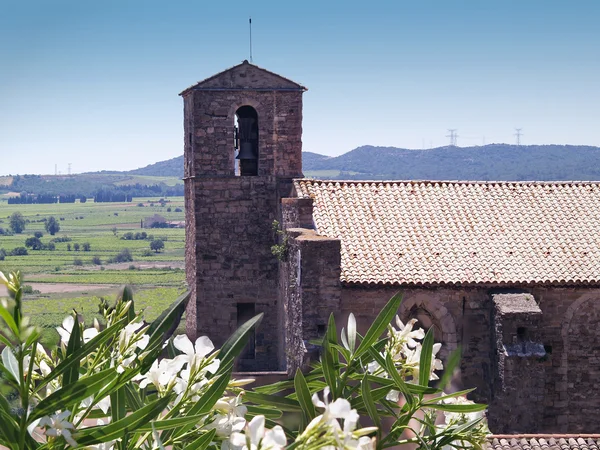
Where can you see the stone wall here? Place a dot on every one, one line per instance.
(561, 386)
(517, 403)
(310, 292)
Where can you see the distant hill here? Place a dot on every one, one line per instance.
(169, 168)
(494, 162)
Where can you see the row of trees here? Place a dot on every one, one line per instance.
(29, 199)
(87, 186)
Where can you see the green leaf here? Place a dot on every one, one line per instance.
(133, 397)
(399, 383)
(202, 442)
(10, 363)
(329, 372)
(127, 296)
(237, 341)
(426, 356)
(379, 325)
(9, 429)
(304, 397)
(365, 390)
(70, 394)
(262, 411)
(331, 337)
(72, 374)
(9, 320)
(118, 409)
(282, 403)
(460, 408)
(115, 430)
(82, 352)
(176, 422)
(445, 397)
(451, 365)
(165, 325)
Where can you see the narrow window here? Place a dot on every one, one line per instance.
(246, 141)
(245, 312)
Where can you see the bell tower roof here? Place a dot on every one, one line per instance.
(245, 76)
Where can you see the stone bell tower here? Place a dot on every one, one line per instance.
(243, 147)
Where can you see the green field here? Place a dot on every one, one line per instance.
(69, 279)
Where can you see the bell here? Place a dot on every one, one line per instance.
(246, 151)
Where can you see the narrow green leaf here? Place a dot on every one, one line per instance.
(176, 422)
(118, 408)
(399, 383)
(331, 337)
(365, 390)
(202, 442)
(70, 394)
(304, 397)
(9, 429)
(451, 365)
(72, 374)
(127, 296)
(168, 321)
(445, 397)
(115, 430)
(379, 325)
(10, 363)
(460, 408)
(426, 356)
(282, 403)
(237, 341)
(262, 411)
(329, 372)
(376, 395)
(9, 320)
(133, 397)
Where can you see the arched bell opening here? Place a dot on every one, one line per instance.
(246, 141)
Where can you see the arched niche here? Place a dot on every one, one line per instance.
(246, 141)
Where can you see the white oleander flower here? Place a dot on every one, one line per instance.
(66, 329)
(256, 437)
(193, 354)
(103, 404)
(339, 409)
(229, 417)
(57, 425)
(413, 361)
(132, 334)
(160, 374)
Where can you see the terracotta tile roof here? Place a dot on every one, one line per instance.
(545, 442)
(421, 232)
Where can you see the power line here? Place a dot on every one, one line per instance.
(518, 135)
(453, 137)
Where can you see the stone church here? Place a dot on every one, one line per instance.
(508, 271)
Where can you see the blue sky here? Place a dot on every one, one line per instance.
(95, 84)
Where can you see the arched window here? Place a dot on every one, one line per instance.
(246, 141)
